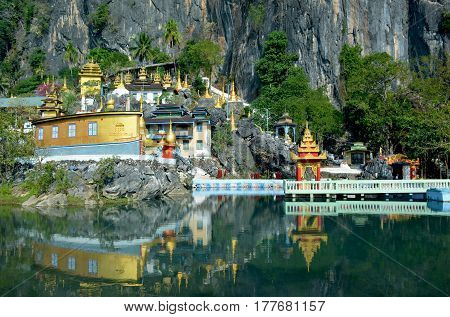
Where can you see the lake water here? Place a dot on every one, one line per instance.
(226, 246)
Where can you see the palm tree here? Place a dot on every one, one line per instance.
(71, 56)
(142, 47)
(171, 34)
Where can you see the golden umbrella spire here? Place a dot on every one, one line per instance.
(233, 97)
(232, 123)
(178, 86)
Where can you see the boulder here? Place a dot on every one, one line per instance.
(52, 200)
(377, 169)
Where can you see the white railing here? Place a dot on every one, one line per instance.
(364, 186)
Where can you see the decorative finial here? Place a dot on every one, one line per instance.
(178, 87)
(232, 123)
(233, 97)
(141, 102)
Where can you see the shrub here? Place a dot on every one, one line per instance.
(62, 182)
(105, 171)
(39, 179)
(99, 19)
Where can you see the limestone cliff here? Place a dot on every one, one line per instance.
(317, 29)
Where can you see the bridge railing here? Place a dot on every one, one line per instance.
(363, 186)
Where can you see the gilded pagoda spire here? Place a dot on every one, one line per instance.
(157, 78)
(65, 88)
(233, 97)
(142, 74)
(167, 80)
(128, 78)
(232, 123)
(178, 86)
(185, 82)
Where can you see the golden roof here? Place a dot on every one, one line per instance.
(157, 78)
(128, 78)
(142, 74)
(117, 81)
(167, 80)
(91, 69)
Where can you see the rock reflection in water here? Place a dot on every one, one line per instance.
(221, 246)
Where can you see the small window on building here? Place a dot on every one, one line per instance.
(54, 132)
(54, 260)
(92, 128)
(41, 134)
(72, 130)
(71, 263)
(92, 266)
(199, 145)
(199, 127)
(185, 145)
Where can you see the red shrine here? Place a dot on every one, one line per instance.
(308, 159)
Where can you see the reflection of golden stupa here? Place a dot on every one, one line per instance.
(170, 246)
(309, 236)
(234, 242)
(234, 269)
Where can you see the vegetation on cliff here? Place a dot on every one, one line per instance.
(286, 88)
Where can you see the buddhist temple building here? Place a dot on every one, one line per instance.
(91, 77)
(191, 128)
(357, 155)
(285, 127)
(308, 159)
(403, 167)
(151, 89)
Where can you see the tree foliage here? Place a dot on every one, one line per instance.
(276, 62)
(171, 34)
(141, 48)
(286, 88)
(110, 61)
(100, 17)
(401, 110)
(14, 143)
(200, 56)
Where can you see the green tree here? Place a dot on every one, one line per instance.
(110, 61)
(14, 143)
(171, 34)
(257, 13)
(275, 63)
(70, 102)
(141, 48)
(200, 56)
(99, 19)
(371, 105)
(71, 55)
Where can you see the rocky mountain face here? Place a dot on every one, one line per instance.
(317, 29)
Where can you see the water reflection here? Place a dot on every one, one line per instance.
(225, 246)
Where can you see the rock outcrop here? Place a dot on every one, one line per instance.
(377, 169)
(316, 29)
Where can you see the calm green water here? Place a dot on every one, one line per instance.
(225, 246)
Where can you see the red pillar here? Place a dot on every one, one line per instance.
(318, 173)
(298, 174)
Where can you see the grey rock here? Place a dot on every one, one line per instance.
(316, 30)
(52, 200)
(32, 201)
